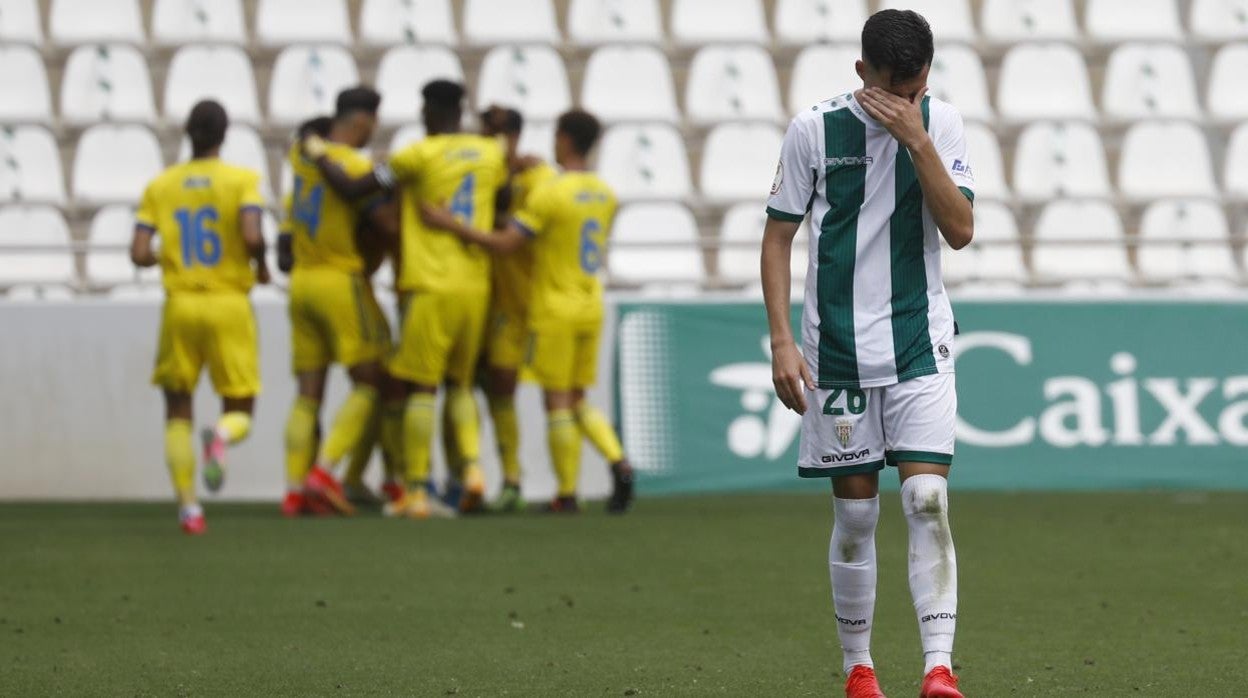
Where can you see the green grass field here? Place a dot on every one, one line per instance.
(1101, 595)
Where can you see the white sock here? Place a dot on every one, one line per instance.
(190, 510)
(933, 566)
(851, 561)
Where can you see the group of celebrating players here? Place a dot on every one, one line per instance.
(496, 257)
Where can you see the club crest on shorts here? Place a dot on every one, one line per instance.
(844, 430)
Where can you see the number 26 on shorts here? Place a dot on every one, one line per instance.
(855, 401)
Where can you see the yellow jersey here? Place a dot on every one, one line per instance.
(195, 207)
(462, 172)
(322, 223)
(513, 273)
(569, 218)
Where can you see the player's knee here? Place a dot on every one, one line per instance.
(369, 374)
(856, 518)
(925, 497)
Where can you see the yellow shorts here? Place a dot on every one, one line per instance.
(565, 356)
(508, 340)
(441, 337)
(334, 318)
(217, 329)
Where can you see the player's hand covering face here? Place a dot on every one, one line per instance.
(902, 117)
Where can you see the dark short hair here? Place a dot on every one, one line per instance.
(897, 40)
(504, 120)
(582, 127)
(443, 94)
(319, 126)
(354, 99)
(206, 126)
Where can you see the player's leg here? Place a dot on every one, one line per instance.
(233, 360)
(594, 425)
(358, 492)
(453, 488)
(919, 418)
(500, 394)
(178, 362)
(180, 457)
(393, 403)
(563, 439)
(469, 330)
(302, 436)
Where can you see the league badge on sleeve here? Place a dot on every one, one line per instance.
(775, 184)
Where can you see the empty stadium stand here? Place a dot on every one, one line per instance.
(1109, 137)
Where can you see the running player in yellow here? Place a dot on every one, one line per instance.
(334, 316)
(445, 284)
(566, 221)
(208, 213)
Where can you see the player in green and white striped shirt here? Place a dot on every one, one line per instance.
(883, 174)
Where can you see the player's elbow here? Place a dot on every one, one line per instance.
(960, 235)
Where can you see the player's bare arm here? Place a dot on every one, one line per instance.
(253, 238)
(903, 118)
(348, 187)
(142, 251)
(789, 371)
(502, 241)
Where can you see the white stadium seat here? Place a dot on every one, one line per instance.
(986, 160)
(389, 22)
(531, 79)
(629, 83)
(90, 21)
(1219, 20)
(741, 238)
(1057, 257)
(404, 71)
(994, 255)
(739, 161)
(30, 166)
(1010, 21)
(1228, 100)
(307, 79)
(593, 22)
(244, 147)
(1165, 159)
(176, 22)
(729, 83)
(645, 162)
(1130, 20)
(222, 73)
(1204, 252)
(1044, 81)
(538, 138)
(54, 293)
(502, 21)
(22, 226)
(1144, 81)
(1057, 159)
(1235, 177)
(710, 21)
(950, 19)
(106, 83)
(957, 77)
(19, 22)
(655, 242)
(24, 83)
(281, 22)
(405, 136)
(113, 163)
(112, 225)
(810, 21)
(821, 73)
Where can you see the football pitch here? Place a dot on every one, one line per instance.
(1088, 594)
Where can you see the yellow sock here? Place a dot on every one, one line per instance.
(300, 440)
(363, 451)
(450, 446)
(598, 430)
(507, 433)
(564, 441)
(180, 456)
(392, 439)
(418, 421)
(465, 424)
(349, 425)
(234, 426)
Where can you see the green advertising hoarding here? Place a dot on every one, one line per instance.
(1053, 395)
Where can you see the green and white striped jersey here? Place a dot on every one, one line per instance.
(876, 312)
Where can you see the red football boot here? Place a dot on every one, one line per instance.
(294, 504)
(940, 683)
(192, 521)
(320, 483)
(393, 490)
(862, 683)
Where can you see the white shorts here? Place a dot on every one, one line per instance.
(846, 431)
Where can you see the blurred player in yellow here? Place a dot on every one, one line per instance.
(333, 314)
(507, 334)
(445, 285)
(566, 220)
(208, 214)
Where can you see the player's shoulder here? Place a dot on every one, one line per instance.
(832, 105)
(941, 112)
(228, 171)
